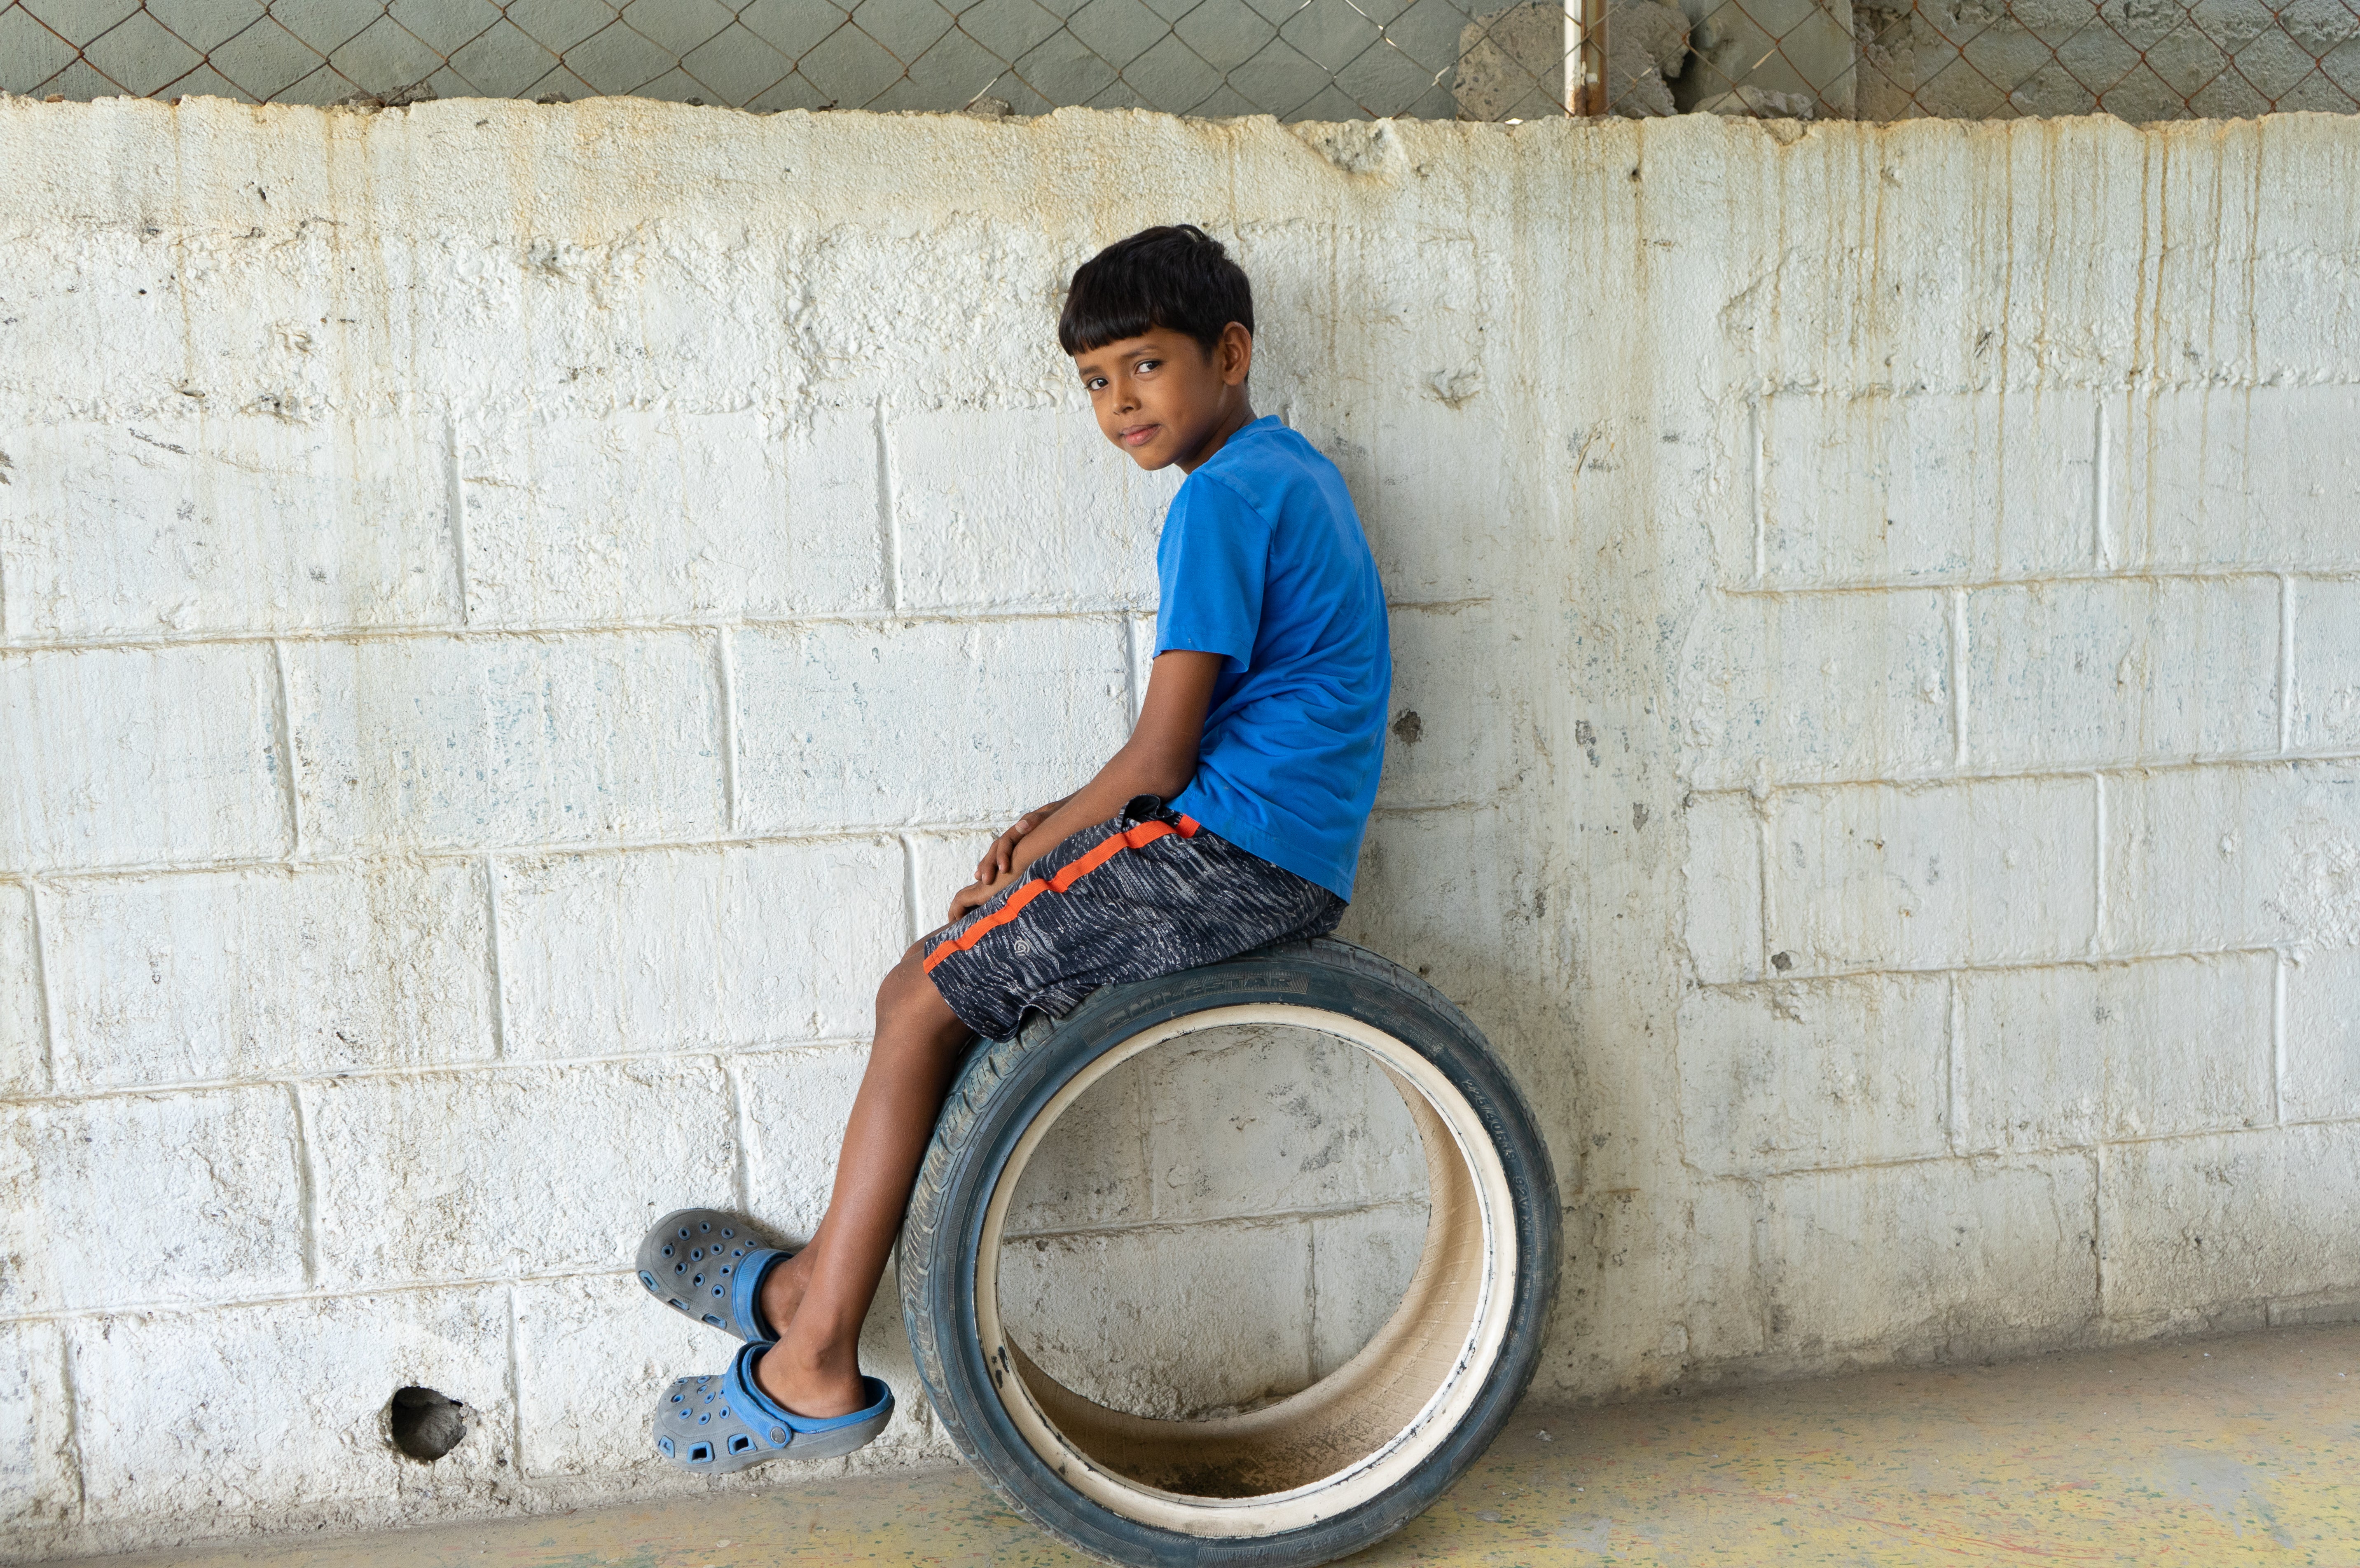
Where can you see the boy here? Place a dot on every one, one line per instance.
(1232, 819)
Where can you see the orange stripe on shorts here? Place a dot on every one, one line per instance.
(1064, 878)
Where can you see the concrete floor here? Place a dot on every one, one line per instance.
(2203, 1454)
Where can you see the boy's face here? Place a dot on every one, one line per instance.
(1163, 398)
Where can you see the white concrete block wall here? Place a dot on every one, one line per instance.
(2049, 913)
(1231, 1320)
(1218, 1225)
(240, 975)
(445, 743)
(586, 518)
(829, 717)
(124, 777)
(245, 523)
(511, 616)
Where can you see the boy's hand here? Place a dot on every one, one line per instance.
(998, 860)
(1159, 758)
(977, 894)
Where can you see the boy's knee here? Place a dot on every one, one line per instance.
(905, 987)
(894, 987)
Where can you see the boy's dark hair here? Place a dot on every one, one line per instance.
(1175, 276)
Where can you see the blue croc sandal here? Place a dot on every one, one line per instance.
(708, 1264)
(723, 1424)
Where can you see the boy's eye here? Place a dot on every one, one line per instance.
(1094, 383)
(1144, 365)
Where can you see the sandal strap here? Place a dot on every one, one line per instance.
(747, 1395)
(746, 1292)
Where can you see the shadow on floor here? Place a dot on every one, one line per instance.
(2193, 1455)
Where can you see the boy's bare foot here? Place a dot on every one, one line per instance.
(809, 1388)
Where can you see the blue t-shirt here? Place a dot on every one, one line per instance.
(1262, 561)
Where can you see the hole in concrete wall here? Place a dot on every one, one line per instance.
(427, 1423)
(1216, 1224)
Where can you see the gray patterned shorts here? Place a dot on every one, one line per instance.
(1148, 893)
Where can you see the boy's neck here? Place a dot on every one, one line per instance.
(1236, 420)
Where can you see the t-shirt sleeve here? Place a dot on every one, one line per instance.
(1216, 557)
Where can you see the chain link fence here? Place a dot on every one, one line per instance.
(2138, 60)
(1299, 60)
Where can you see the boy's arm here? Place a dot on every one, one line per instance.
(1002, 853)
(1159, 758)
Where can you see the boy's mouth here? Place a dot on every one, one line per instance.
(1138, 434)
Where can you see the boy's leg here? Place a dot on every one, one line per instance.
(1142, 894)
(818, 1300)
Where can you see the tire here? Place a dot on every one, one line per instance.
(1323, 1472)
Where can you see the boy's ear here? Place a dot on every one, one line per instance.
(1233, 355)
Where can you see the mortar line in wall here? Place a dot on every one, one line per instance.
(183, 1308)
(2287, 692)
(875, 834)
(44, 993)
(2098, 1225)
(499, 631)
(2278, 1041)
(70, 1375)
(1765, 1314)
(889, 519)
(2071, 574)
(306, 1186)
(867, 833)
(1755, 439)
(1974, 1156)
(2101, 912)
(1959, 754)
(705, 1052)
(2050, 773)
(1954, 1034)
(1260, 1219)
(1888, 1162)
(1311, 1302)
(283, 739)
(2002, 967)
(515, 1387)
(910, 927)
(1130, 665)
(870, 620)
(2102, 498)
(494, 955)
(1418, 607)
(741, 1129)
(1765, 908)
(1142, 1132)
(455, 499)
(724, 673)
